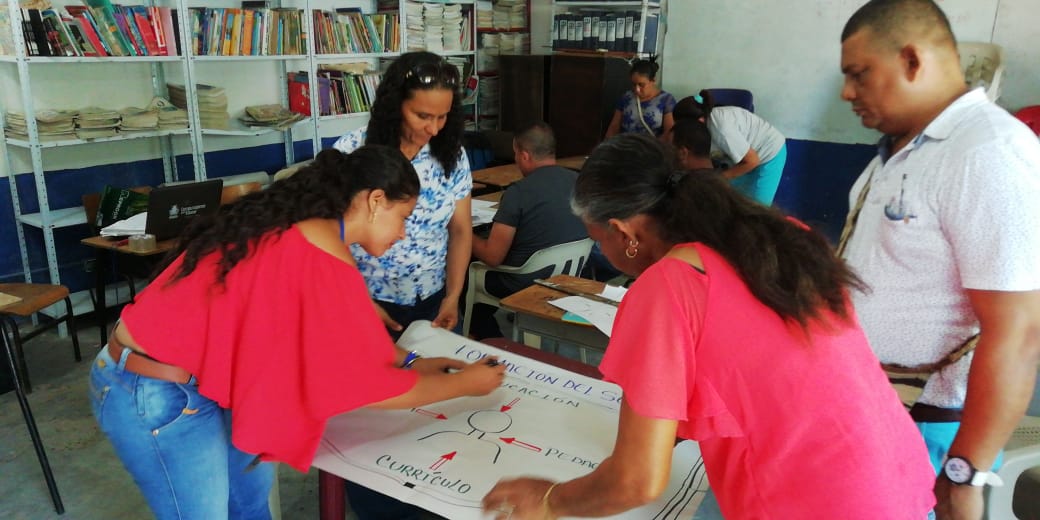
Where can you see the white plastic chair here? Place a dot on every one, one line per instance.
(566, 258)
(983, 65)
(1021, 454)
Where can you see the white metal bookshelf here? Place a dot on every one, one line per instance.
(190, 68)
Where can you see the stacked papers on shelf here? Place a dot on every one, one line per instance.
(213, 104)
(485, 18)
(95, 122)
(452, 22)
(275, 116)
(170, 116)
(136, 119)
(510, 14)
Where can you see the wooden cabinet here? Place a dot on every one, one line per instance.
(576, 95)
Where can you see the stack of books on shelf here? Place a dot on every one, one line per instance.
(213, 104)
(136, 119)
(425, 26)
(52, 124)
(485, 15)
(510, 14)
(270, 116)
(95, 122)
(170, 116)
(99, 28)
(438, 27)
(252, 30)
(452, 32)
(348, 30)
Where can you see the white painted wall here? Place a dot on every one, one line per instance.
(788, 55)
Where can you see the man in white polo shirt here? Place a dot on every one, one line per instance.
(944, 226)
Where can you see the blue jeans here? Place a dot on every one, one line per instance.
(176, 444)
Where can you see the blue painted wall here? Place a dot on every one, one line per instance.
(814, 188)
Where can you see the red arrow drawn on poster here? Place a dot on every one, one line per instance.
(509, 406)
(522, 444)
(428, 413)
(444, 458)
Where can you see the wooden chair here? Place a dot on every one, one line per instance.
(566, 258)
(15, 363)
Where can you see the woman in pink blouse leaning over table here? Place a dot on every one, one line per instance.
(738, 334)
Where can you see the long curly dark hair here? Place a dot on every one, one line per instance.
(323, 189)
(789, 268)
(398, 84)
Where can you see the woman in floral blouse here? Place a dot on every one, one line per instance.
(418, 109)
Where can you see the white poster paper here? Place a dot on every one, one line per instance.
(543, 421)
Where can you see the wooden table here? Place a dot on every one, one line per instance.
(103, 247)
(490, 197)
(331, 487)
(503, 176)
(536, 315)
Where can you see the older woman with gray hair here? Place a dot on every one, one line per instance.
(738, 334)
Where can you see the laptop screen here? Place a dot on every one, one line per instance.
(171, 208)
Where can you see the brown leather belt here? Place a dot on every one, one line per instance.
(143, 365)
(933, 414)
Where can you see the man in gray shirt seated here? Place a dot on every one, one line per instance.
(534, 214)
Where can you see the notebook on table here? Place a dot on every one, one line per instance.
(171, 208)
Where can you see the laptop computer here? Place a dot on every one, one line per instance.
(171, 208)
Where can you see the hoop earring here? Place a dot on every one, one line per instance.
(633, 246)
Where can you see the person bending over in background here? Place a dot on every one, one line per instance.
(534, 214)
(646, 108)
(738, 333)
(756, 149)
(692, 144)
(258, 330)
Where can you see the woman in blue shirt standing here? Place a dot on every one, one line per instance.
(418, 110)
(646, 108)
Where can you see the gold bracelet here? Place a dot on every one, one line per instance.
(545, 499)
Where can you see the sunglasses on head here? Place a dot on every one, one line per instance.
(428, 74)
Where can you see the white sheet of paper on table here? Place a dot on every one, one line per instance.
(600, 315)
(483, 211)
(613, 292)
(543, 422)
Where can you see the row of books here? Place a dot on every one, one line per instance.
(605, 30)
(99, 28)
(247, 32)
(340, 92)
(348, 30)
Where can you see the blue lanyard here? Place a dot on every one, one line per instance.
(342, 230)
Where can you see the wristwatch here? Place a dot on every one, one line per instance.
(959, 471)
